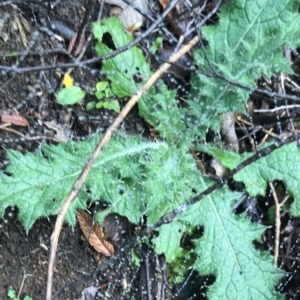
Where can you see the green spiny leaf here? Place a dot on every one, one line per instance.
(241, 53)
(225, 250)
(246, 44)
(282, 164)
(164, 176)
(162, 187)
(165, 115)
(38, 183)
(111, 104)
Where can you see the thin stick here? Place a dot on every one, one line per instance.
(265, 138)
(278, 222)
(277, 108)
(108, 134)
(240, 119)
(30, 138)
(22, 284)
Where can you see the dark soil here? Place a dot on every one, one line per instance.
(27, 254)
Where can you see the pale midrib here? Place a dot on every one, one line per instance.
(101, 161)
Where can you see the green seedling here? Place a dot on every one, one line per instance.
(12, 294)
(156, 45)
(104, 92)
(136, 261)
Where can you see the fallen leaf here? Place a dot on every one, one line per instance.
(88, 293)
(80, 44)
(135, 27)
(21, 31)
(164, 3)
(115, 11)
(227, 126)
(94, 235)
(178, 16)
(68, 80)
(62, 133)
(132, 19)
(14, 119)
(119, 3)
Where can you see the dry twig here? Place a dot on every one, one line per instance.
(268, 132)
(30, 138)
(277, 222)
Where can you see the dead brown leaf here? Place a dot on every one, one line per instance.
(164, 3)
(14, 119)
(94, 235)
(62, 133)
(132, 19)
(80, 45)
(179, 18)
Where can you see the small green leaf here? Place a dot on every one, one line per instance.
(226, 249)
(28, 298)
(108, 93)
(99, 105)
(12, 294)
(113, 104)
(101, 86)
(136, 261)
(99, 95)
(156, 44)
(70, 95)
(90, 105)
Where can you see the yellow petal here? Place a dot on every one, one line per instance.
(68, 80)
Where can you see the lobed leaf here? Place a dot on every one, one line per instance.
(246, 44)
(38, 183)
(282, 164)
(225, 250)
